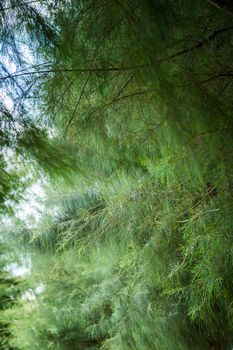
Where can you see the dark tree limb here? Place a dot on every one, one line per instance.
(67, 70)
(198, 45)
(223, 5)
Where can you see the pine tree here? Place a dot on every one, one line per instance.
(142, 93)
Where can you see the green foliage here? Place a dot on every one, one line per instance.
(143, 272)
(10, 290)
(141, 93)
(24, 143)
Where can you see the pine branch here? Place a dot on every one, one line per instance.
(67, 70)
(201, 44)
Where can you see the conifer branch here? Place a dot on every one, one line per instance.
(201, 44)
(67, 70)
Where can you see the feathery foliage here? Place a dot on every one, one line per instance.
(141, 258)
(10, 290)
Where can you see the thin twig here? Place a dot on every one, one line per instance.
(77, 105)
